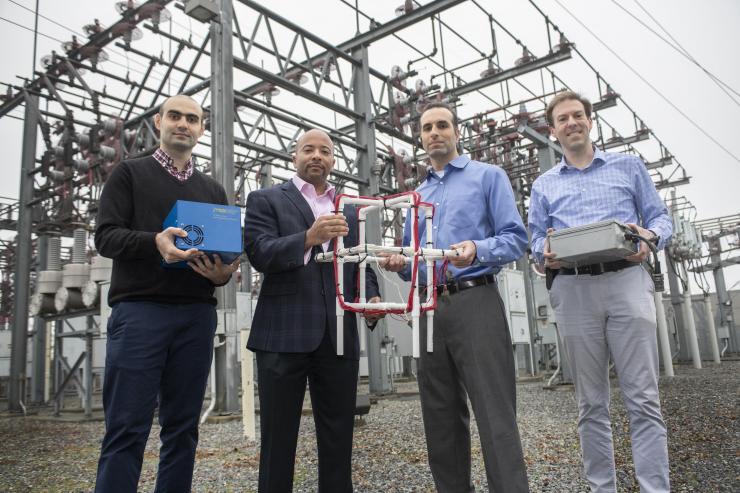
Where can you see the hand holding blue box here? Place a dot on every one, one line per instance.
(211, 228)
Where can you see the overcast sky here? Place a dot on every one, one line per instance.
(707, 30)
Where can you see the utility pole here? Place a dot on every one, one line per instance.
(19, 337)
(366, 167)
(222, 163)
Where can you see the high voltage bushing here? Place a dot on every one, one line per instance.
(49, 281)
(74, 277)
(100, 271)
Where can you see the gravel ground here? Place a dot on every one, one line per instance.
(700, 408)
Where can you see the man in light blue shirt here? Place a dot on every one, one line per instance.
(475, 212)
(606, 309)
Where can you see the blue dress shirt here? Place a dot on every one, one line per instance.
(472, 201)
(613, 186)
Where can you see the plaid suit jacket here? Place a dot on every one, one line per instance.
(297, 302)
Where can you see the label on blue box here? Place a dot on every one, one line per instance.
(211, 228)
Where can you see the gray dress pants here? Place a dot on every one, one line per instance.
(472, 358)
(614, 314)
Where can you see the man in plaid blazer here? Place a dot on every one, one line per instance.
(294, 328)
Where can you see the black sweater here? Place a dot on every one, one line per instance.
(134, 202)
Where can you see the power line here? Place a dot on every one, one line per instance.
(680, 49)
(651, 86)
(44, 17)
(684, 49)
(128, 68)
(31, 30)
(112, 49)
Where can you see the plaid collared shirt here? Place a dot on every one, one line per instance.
(166, 161)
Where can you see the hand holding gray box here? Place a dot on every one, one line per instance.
(592, 243)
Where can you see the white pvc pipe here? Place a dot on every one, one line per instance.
(688, 315)
(665, 346)
(248, 418)
(212, 404)
(430, 280)
(415, 352)
(712, 330)
(361, 254)
(340, 289)
(375, 306)
(362, 215)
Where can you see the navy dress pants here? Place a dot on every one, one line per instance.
(156, 354)
(332, 383)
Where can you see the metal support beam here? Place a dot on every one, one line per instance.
(222, 155)
(365, 130)
(604, 104)
(665, 161)
(391, 27)
(688, 315)
(298, 90)
(660, 185)
(38, 358)
(71, 376)
(337, 52)
(364, 39)
(523, 265)
(540, 140)
(296, 121)
(17, 387)
(539, 63)
(546, 158)
(675, 283)
(623, 141)
(88, 374)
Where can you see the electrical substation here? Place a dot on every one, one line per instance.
(263, 78)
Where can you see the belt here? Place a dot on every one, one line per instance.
(597, 269)
(453, 287)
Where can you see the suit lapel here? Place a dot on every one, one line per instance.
(294, 195)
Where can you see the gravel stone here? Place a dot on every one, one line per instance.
(699, 406)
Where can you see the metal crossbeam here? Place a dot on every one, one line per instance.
(375, 34)
(556, 57)
(625, 141)
(270, 78)
(665, 161)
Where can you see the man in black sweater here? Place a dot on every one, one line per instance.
(161, 328)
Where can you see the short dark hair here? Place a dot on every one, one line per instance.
(440, 104)
(161, 106)
(565, 96)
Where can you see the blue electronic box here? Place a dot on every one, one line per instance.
(211, 228)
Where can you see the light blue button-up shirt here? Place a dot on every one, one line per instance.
(472, 201)
(613, 186)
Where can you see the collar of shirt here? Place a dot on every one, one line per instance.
(459, 162)
(599, 157)
(167, 163)
(308, 190)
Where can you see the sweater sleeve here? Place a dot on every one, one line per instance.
(114, 237)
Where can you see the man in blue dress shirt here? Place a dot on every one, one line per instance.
(604, 310)
(476, 213)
